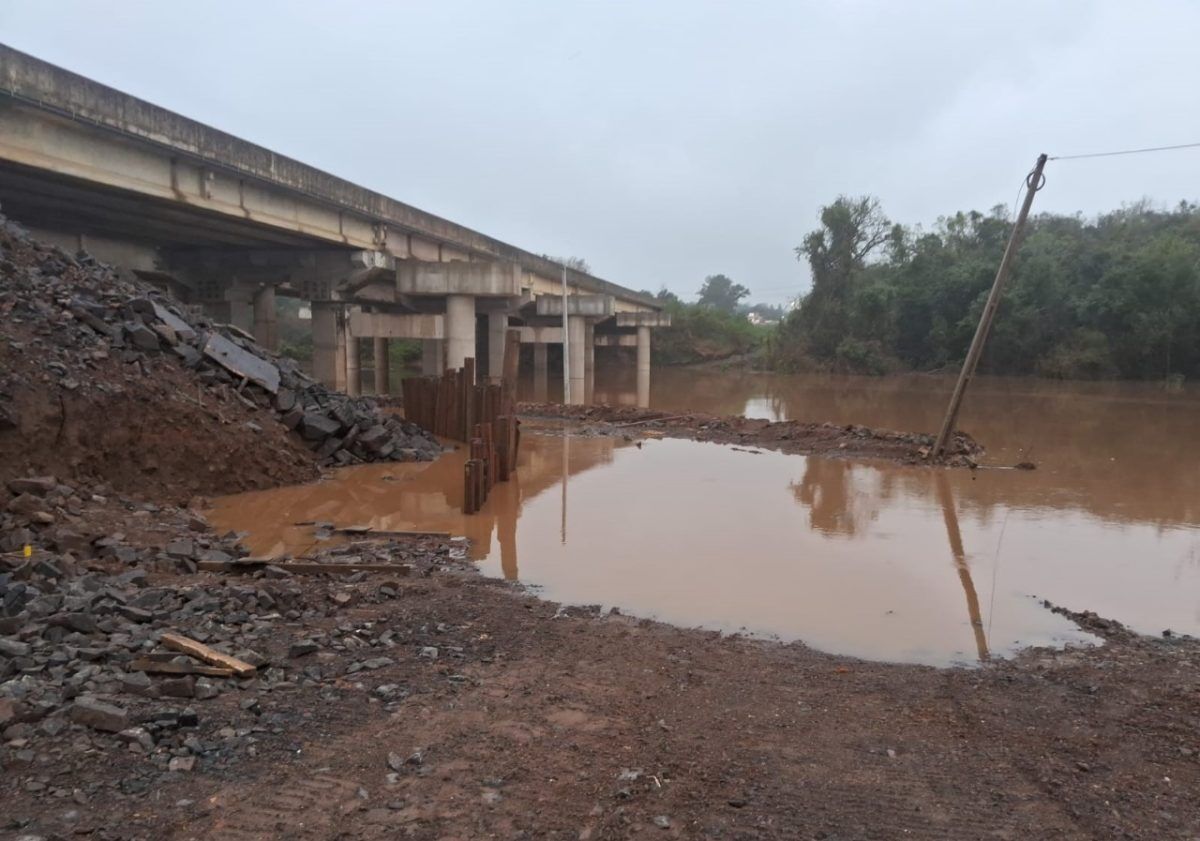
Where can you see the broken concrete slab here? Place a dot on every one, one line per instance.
(241, 362)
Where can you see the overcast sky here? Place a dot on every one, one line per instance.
(665, 141)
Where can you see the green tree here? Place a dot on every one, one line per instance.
(1118, 295)
(720, 293)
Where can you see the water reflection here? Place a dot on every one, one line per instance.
(861, 558)
(954, 537)
(1120, 451)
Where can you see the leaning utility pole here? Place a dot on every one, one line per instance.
(1033, 183)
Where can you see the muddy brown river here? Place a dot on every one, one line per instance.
(861, 558)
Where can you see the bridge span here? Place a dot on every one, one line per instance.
(227, 225)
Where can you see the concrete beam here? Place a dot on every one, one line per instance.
(616, 340)
(491, 279)
(643, 319)
(541, 335)
(590, 306)
(389, 325)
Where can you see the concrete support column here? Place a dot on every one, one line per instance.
(576, 336)
(589, 359)
(266, 329)
(433, 357)
(643, 367)
(383, 367)
(353, 364)
(241, 306)
(497, 326)
(329, 344)
(541, 371)
(460, 329)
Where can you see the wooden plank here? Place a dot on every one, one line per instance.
(368, 531)
(306, 567)
(167, 667)
(468, 395)
(178, 642)
(316, 568)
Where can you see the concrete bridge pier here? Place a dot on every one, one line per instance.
(643, 367)
(266, 324)
(329, 343)
(460, 330)
(383, 366)
(541, 371)
(433, 357)
(353, 355)
(576, 336)
(497, 331)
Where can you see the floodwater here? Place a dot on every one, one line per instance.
(862, 558)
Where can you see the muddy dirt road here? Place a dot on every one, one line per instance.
(531, 722)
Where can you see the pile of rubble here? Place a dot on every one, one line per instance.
(106, 646)
(96, 313)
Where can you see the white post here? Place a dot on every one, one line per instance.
(566, 344)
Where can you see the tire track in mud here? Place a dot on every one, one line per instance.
(302, 809)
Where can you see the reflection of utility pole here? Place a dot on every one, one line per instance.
(566, 459)
(960, 561)
(507, 510)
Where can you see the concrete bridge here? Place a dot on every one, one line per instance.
(227, 225)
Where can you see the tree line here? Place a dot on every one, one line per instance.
(1116, 296)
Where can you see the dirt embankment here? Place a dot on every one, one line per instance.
(104, 379)
(824, 439)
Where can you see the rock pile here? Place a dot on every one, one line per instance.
(96, 312)
(85, 615)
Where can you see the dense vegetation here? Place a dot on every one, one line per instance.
(714, 328)
(1115, 296)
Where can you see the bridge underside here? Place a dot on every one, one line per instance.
(233, 269)
(228, 226)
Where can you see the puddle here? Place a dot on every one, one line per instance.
(866, 559)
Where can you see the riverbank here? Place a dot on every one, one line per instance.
(445, 705)
(788, 436)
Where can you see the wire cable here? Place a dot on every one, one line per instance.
(1125, 152)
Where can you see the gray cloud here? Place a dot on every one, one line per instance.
(666, 141)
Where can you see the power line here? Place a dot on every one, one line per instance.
(1125, 152)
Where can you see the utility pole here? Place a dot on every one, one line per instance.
(1033, 183)
(566, 343)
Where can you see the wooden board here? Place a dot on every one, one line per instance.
(304, 567)
(367, 531)
(166, 667)
(178, 642)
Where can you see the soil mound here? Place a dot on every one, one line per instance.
(105, 378)
(791, 436)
